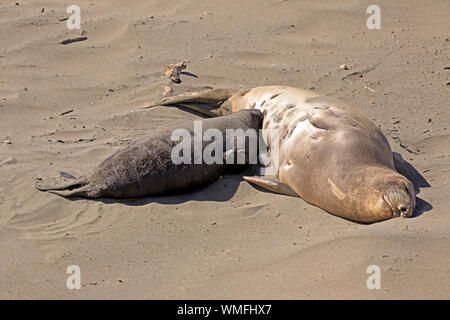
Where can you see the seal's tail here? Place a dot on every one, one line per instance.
(214, 97)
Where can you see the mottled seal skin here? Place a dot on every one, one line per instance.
(329, 153)
(145, 167)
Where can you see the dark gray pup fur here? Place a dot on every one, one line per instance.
(145, 167)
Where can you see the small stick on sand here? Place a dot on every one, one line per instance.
(66, 112)
(64, 42)
(370, 89)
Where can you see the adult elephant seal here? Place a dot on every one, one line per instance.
(329, 153)
(151, 167)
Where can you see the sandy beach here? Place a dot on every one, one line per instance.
(67, 107)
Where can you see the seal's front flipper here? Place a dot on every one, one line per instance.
(272, 184)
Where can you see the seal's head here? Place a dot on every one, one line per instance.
(389, 195)
(401, 198)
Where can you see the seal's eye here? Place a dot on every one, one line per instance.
(403, 208)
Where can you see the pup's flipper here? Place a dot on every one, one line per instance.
(64, 186)
(86, 191)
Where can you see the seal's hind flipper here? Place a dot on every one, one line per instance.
(78, 188)
(84, 192)
(67, 175)
(272, 184)
(65, 186)
(203, 109)
(210, 96)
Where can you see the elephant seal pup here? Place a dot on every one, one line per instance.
(329, 153)
(147, 166)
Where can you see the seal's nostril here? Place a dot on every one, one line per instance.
(403, 209)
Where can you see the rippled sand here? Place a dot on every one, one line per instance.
(228, 240)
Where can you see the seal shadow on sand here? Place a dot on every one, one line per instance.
(225, 188)
(219, 191)
(407, 170)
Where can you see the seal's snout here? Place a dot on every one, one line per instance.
(401, 198)
(403, 210)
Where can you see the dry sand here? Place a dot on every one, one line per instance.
(228, 240)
